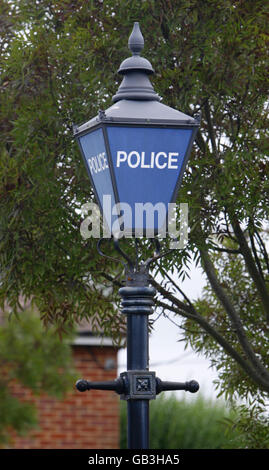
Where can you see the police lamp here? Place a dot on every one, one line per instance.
(135, 152)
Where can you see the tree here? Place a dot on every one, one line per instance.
(36, 359)
(58, 64)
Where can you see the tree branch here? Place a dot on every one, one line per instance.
(111, 279)
(225, 250)
(211, 131)
(263, 249)
(189, 310)
(200, 141)
(247, 368)
(251, 267)
(178, 288)
(234, 317)
(254, 251)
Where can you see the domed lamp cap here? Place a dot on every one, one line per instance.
(136, 87)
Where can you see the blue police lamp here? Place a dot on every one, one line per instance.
(136, 151)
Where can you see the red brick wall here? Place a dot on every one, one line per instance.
(88, 420)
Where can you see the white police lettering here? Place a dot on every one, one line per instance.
(97, 163)
(158, 160)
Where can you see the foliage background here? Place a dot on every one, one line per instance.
(198, 424)
(37, 359)
(58, 63)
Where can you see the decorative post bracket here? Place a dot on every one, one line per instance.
(137, 385)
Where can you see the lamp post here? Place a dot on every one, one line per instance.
(135, 154)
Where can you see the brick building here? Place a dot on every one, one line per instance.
(87, 420)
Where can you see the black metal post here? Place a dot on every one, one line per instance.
(137, 359)
(137, 304)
